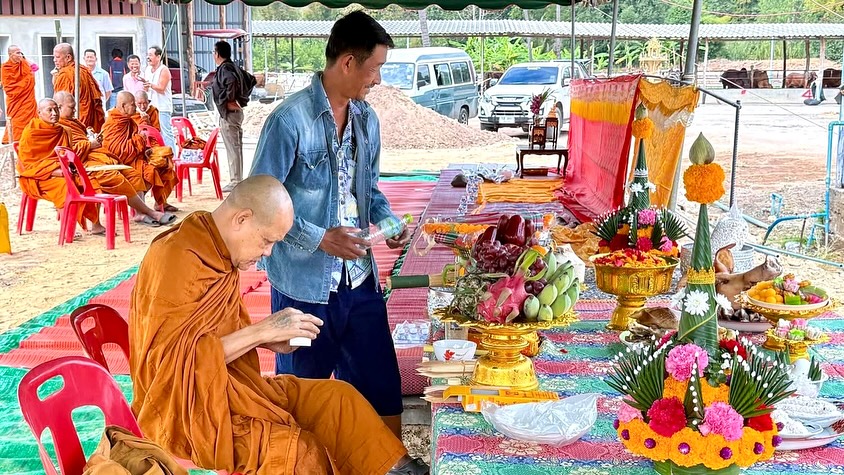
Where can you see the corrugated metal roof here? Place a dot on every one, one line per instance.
(404, 28)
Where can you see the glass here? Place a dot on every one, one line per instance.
(399, 75)
(454, 331)
(524, 75)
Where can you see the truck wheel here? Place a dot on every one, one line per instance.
(463, 118)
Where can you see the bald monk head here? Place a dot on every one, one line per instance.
(62, 55)
(48, 111)
(257, 213)
(67, 104)
(126, 103)
(142, 100)
(15, 53)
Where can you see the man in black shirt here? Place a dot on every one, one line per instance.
(231, 88)
(116, 69)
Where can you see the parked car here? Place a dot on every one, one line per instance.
(507, 102)
(191, 104)
(176, 79)
(442, 79)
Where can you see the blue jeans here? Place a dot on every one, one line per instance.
(354, 343)
(112, 101)
(167, 129)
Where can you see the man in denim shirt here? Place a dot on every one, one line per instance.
(324, 144)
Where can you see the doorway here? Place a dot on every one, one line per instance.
(110, 47)
(47, 65)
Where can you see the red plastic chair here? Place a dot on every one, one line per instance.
(151, 134)
(184, 131)
(109, 327)
(28, 203)
(111, 203)
(209, 161)
(84, 383)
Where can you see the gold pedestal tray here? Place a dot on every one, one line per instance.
(774, 316)
(632, 286)
(797, 349)
(504, 365)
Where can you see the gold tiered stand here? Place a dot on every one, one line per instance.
(632, 286)
(504, 364)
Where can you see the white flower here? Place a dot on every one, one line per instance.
(697, 303)
(636, 188)
(651, 187)
(677, 300)
(722, 301)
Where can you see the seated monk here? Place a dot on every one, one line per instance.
(91, 111)
(146, 114)
(122, 140)
(40, 172)
(198, 389)
(128, 183)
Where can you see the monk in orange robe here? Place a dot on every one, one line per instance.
(129, 183)
(198, 387)
(91, 112)
(122, 140)
(147, 114)
(18, 81)
(40, 172)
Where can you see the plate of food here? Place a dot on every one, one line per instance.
(826, 436)
(787, 293)
(810, 410)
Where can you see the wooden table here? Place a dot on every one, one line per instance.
(561, 153)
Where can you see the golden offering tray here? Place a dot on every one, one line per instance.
(774, 315)
(504, 365)
(632, 286)
(797, 349)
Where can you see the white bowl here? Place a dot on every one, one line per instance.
(464, 350)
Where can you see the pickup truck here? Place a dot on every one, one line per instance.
(507, 102)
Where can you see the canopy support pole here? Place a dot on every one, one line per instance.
(592, 57)
(705, 65)
(784, 63)
(808, 59)
(573, 4)
(483, 76)
(181, 57)
(292, 57)
(612, 37)
(76, 59)
(822, 53)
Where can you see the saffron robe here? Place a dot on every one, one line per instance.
(115, 182)
(152, 118)
(122, 140)
(227, 416)
(18, 82)
(91, 112)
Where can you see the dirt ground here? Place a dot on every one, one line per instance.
(780, 152)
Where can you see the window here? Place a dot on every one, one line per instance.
(567, 73)
(443, 73)
(460, 71)
(524, 75)
(399, 75)
(423, 76)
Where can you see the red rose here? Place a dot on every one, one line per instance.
(730, 346)
(619, 241)
(667, 416)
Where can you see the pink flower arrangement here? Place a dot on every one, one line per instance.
(667, 416)
(681, 359)
(720, 418)
(627, 413)
(644, 244)
(647, 217)
(665, 244)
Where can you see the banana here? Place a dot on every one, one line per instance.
(573, 292)
(548, 295)
(545, 314)
(561, 305)
(564, 280)
(550, 263)
(531, 307)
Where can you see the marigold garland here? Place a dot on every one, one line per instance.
(643, 128)
(704, 183)
(460, 228)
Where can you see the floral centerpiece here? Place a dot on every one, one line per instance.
(694, 404)
(638, 225)
(536, 102)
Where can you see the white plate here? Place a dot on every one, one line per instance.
(749, 327)
(826, 437)
(825, 420)
(779, 306)
(813, 431)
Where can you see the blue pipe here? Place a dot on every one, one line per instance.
(828, 181)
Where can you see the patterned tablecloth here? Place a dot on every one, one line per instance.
(574, 360)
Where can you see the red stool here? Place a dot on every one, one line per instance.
(209, 161)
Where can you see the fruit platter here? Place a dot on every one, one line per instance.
(787, 298)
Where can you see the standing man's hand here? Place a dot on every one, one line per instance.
(399, 241)
(341, 242)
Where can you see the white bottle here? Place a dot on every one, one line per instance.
(385, 229)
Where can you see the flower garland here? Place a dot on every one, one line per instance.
(704, 183)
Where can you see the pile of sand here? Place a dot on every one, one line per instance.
(404, 124)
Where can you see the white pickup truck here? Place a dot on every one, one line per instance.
(507, 102)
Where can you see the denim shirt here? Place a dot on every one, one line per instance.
(296, 147)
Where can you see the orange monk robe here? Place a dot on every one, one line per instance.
(37, 161)
(106, 181)
(122, 140)
(229, 417)
(151, 118)
(91, 111)
(19, 83)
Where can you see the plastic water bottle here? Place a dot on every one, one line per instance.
(385, 229)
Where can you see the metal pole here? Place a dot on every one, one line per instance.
(292, 58)
(181, 56)
(705, 66)
(773, 48)
(612, 36)
(735, 157)
(78, 20)
(573, 3)
(483, 77)
(691, 51)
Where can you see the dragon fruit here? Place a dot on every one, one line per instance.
(503, 301)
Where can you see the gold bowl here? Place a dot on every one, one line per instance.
(797, 349)
(774, 315)
(632, 286)
(504, 364)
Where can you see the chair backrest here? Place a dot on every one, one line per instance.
(84, 383)
(152, 134)
(18, 163)
(208, 153)
(184, 129)
(66, 158)
(108, 327)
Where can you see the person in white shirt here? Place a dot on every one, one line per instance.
(100, 74)
(158, 85)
